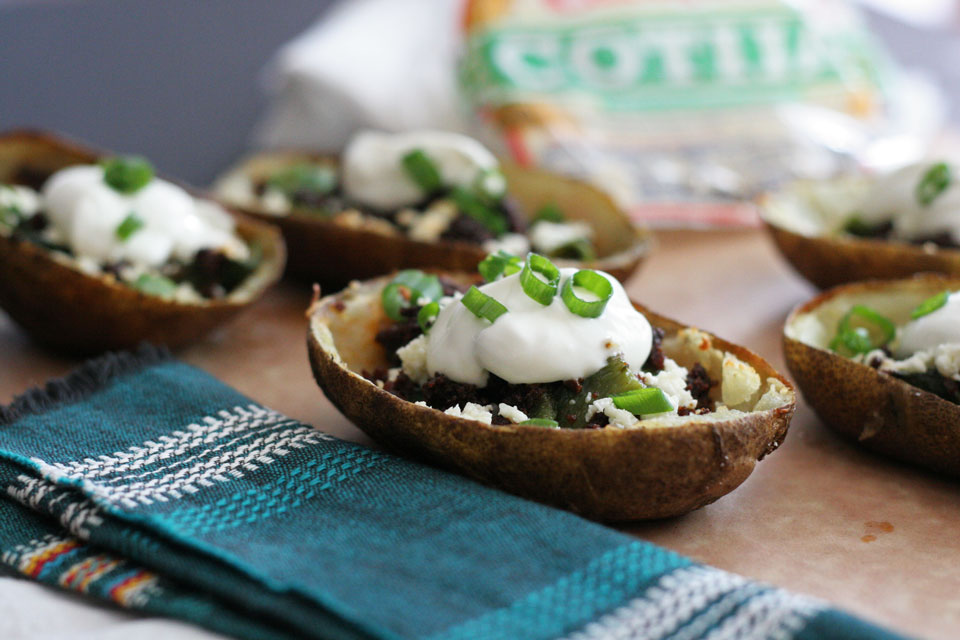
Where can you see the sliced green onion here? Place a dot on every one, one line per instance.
(642, 402)
(482, 305)
(427, 315)
(875, 330)
(592, 282)
(856, 226)
(934, 182)
(854, 341)
(427, 284)
(549, 212)
(498, 263)
(491, 184)
(887, 329)
(423, 171)
(579, 249)
(473, 206)
(130, 225)
(395, 298)
(154, 285)
(10, 216)
(541, 422)
(127, 174)
(304, 177)
(930, 305)
(542, 291)
(406, 289)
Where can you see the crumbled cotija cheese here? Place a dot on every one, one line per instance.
(618, 417)
(673, 382)
(511, 413)
(739, 381)
(413, 355)
(471, 411)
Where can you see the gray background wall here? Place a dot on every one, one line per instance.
(177, 80)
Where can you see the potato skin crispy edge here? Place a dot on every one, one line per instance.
(70, 311)
(606, 474)
(873, 409)
(828, 261)
(321, 249)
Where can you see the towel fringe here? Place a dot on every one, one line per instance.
(83, 381)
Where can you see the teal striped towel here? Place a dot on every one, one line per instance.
(145, 482)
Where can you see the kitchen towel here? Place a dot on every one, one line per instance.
(143, 481)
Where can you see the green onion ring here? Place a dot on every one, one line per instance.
(422, 170)
(406, 290)
(642, 402)
(934, 182)
(592, 282)
(130, 225)
(498, 263)
(427, 315)
(542, 292)
(930, 305)
(127, 174)
(541, 422)
(857, 339)
(883, 323)
(482, 305)
(395, 298)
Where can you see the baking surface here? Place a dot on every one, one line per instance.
(818, 516)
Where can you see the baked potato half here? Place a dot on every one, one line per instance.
(64, 308)
(806, 220)
(666, 467)
(337, 251)
(864, 405)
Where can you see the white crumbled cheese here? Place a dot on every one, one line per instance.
(776, 395)
(413, 357)
(393, 374)
(511, 413)
(512, 243)
(739, 381)
(275, 201)
(88, 265)
(618, 417)
(24, 200)
(434, 221)
(471, 411)
(945, 358)
(421, 403)
(673, 382)
(547, 237)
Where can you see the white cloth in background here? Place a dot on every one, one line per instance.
(385, 64)
(30, 611)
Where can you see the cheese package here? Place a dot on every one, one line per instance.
(686, 110)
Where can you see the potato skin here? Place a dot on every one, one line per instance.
(874, 409)
(607, 474)
(335, 254)
(74, 312)
(828, 261)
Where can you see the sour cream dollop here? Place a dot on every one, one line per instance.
(894, 198)
(932, 330)
(372, 171)
(532, 342)
(86, 212)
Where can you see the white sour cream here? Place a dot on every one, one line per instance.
(928, 332)
(85, 212)
(532, 342)
(372, 171)
(893, 198)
